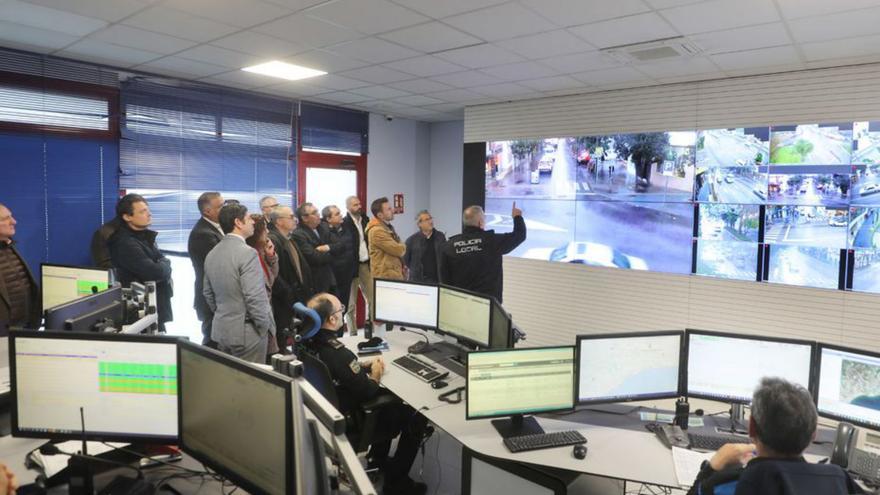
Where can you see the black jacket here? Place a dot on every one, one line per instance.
(354, 385)
(288, 287)
(202, 239)
(415, 249)
(99, 250)
(766, 476)
(320, 263)
(341, 245)
(349, 226)
(137, 258)
(472, 260)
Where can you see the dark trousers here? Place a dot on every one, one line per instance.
(402, 419)
(207, 323)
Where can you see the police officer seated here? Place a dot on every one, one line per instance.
(358, 382)
(782, 426)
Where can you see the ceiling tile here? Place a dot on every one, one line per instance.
(340, 83)
(183, 67)
(35, 39)
(479, 56)
(456, 95)
(580, 62)
(105, 53)
(625, 30)
(665, 4)
(431, 37)
(559, 42)
(133, 37)
(377, 75)
(500, 22)
(838, 49)
(505, 90)
(295, 88)
(795, 9)
(679, 67)
(374, 50)
(380, 92)
(241, 13)
(307, 31)
(296, 5)
(446, 107)
(439, 9)
(720, 14)
(259, 44)
(610, 76)
(520, 71)
(180, 24)
(242, 79)
(344, 97)
(747, 38)
(836, 26)
(417, 100)
(424, 66)
(420, 86)
(762, 57)
(325, 61)
(367, 16)
(221, 56)
(41, 17)
(101, 9)
(552, 83)
(465, 79)
(569, 13)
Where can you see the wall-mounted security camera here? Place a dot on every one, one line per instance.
(389, 117)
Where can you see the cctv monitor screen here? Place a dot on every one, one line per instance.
(729, 367)
(626, 367)
(405, 303)
(849, 385)
(61, 284)
(465, 315)
(249, 439)
(519, 381)
(126, 386)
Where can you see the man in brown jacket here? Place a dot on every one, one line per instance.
(386, 250)
(19, 293)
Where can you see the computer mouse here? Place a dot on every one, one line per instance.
(438, 384)
(580, 451)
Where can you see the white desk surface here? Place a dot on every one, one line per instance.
(612, 452)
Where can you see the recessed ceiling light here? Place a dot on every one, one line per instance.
(291, 72)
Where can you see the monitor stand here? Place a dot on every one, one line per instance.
(517, 426)
(737, 419)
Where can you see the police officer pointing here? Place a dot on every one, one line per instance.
(472, 260)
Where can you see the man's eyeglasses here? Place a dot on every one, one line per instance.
(340, 310)
(270, 206)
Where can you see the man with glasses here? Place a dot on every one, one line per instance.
(423, 250)
(358, 382)
(267, 203)
(294, 280)
(19, 293)
(313, 240)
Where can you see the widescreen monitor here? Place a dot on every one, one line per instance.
(629, 366)
(405, 303)
(87, 313)
(465, 315)
(515, 382)
(849, 385)
(62, 283)
(729, 367)
(237, 419)
(126, 386)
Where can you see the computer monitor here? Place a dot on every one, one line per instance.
(237, 419)
(465, 315)
(729, 367)
(63, 283)
(405, 303)
(86, 313)
(482, 475)
(624, 367)
(501, 331)
(849, 385)
(514, 382)
(126, 386)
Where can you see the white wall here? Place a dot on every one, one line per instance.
(422, 161)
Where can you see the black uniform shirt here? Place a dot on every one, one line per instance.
(353, 383)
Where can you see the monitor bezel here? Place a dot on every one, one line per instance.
(78, 435)
(621, 335)
(246, 367)
(74, 267)
(508, 341)
(461, 338)
(818, 365)
(467, 381)
(404, 323)
(699, 395)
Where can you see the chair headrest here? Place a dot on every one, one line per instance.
(311, 321)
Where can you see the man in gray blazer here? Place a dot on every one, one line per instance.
(235, 290)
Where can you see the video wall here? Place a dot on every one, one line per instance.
(784, 204)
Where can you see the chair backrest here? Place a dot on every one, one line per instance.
(311, 321)
(788, 477)
(318, 375)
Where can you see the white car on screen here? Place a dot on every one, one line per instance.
(595, 254)
(870, 189)
(545, 165)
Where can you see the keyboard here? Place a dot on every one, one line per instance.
(418, 368)
(543, 441)
(714, 441)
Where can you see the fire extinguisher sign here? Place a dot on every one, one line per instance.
(398, 203)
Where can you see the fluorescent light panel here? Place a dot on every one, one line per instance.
(277, 68)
